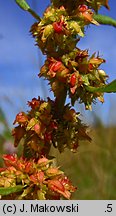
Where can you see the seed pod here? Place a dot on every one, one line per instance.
(102, 73)
(74, 26)
(48, 30)
(58, 27)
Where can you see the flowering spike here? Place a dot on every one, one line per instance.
(70, 71)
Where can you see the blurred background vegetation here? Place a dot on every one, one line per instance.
(93, 168)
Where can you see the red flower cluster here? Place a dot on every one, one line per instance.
(41, 126)
(40, 180)
(35, 127)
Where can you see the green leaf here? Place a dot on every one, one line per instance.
(23, 5)
(105, 20)
(111, 87)
(6, 191)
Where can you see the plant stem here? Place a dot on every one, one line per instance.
(36, 16)
(24, 6)
(60, 102)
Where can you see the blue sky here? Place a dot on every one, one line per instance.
(20, 60)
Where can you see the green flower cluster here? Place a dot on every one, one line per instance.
(58, 32)
(75, 71)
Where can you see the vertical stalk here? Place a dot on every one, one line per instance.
(60, 102)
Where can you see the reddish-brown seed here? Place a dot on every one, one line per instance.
(82, 8)
(55, 66)
(73, 80)
(57, 27)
